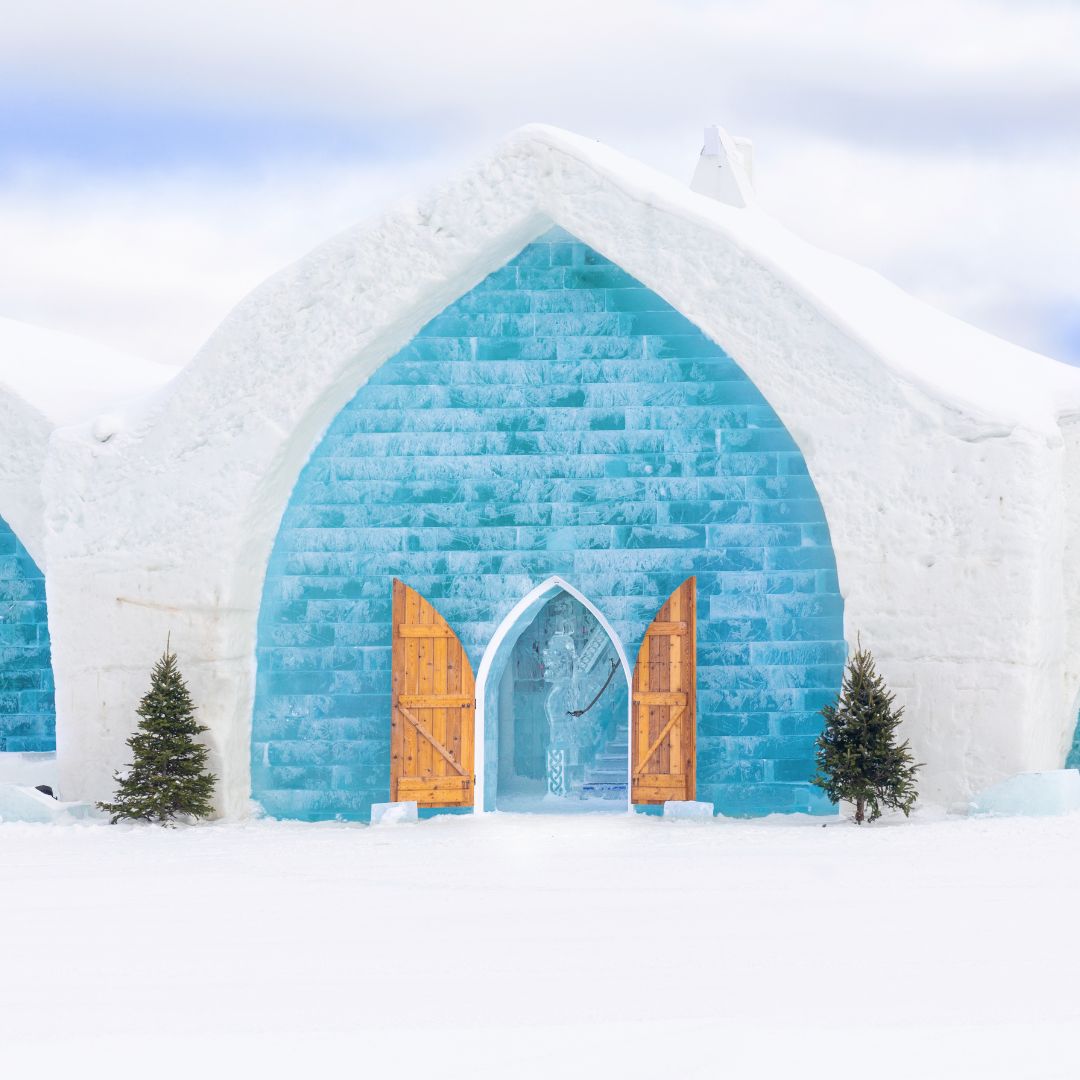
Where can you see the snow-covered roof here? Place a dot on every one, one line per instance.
(441, 245)
(68, 379)
(954, 362)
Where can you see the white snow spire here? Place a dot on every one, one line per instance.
(725, 169)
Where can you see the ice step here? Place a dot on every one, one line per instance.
(609, 761)
(604, 791)
(606, 776)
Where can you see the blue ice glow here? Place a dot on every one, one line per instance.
(1073, 761)
(559, 419)
(27, 714)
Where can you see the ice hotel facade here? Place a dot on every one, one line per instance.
(567, 487)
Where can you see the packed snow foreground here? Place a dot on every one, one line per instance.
(524, 946)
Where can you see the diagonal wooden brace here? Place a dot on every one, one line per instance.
(676, 712)
(440, 749)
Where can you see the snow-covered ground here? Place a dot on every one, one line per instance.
(539, 946)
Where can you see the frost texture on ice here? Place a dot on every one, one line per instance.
(393, 813)
(27, 714)
(1033, 794)
(1073, 760)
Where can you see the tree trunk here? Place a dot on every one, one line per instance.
(860, 810)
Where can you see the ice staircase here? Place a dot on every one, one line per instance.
(606, 778)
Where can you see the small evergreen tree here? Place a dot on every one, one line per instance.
(858, 758)
(167, 779)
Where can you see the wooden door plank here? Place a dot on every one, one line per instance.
(660, 755)
(439, 710)
(456, 719)
(397, 671)
(673, 750)
(411, 681)
(436, 700)
(690, 665)
(466, 726)
(661, 697)
(424, 630)
(424, 660)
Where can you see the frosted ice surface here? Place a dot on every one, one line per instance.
(28, 804)
(393, 813)
(688, 810)
(1032, 794)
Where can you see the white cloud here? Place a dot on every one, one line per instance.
(150, 265)
(937, 141)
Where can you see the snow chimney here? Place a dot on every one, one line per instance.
(725, 169)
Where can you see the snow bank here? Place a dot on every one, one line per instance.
(68, 379)
(28, 770)
(303, 950)
(49, 379)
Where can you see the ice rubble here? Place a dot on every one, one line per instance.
(686, 810)
(1032, 794)
(27, 804)
(393, 813)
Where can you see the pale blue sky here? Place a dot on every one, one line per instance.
(158, 160)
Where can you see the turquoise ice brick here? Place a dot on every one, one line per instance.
(1073, 760)
(27, 712)
(559, 419)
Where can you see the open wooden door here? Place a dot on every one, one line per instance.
(662, 746)
(433, 707)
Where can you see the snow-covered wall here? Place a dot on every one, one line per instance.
(1070, 428)
(935, 450)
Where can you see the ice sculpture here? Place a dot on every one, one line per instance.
(578, 675)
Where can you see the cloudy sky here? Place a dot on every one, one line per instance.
(157, 160)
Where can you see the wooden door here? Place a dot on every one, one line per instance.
(433, 702)
(665, 708)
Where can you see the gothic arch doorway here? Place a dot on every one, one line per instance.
(553, 709)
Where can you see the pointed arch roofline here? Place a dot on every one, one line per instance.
(384, 278)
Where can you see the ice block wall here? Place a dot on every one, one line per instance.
(27, 714)
(557, 419)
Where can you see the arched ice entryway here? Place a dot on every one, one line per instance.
(553, 708)
(601, 438)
